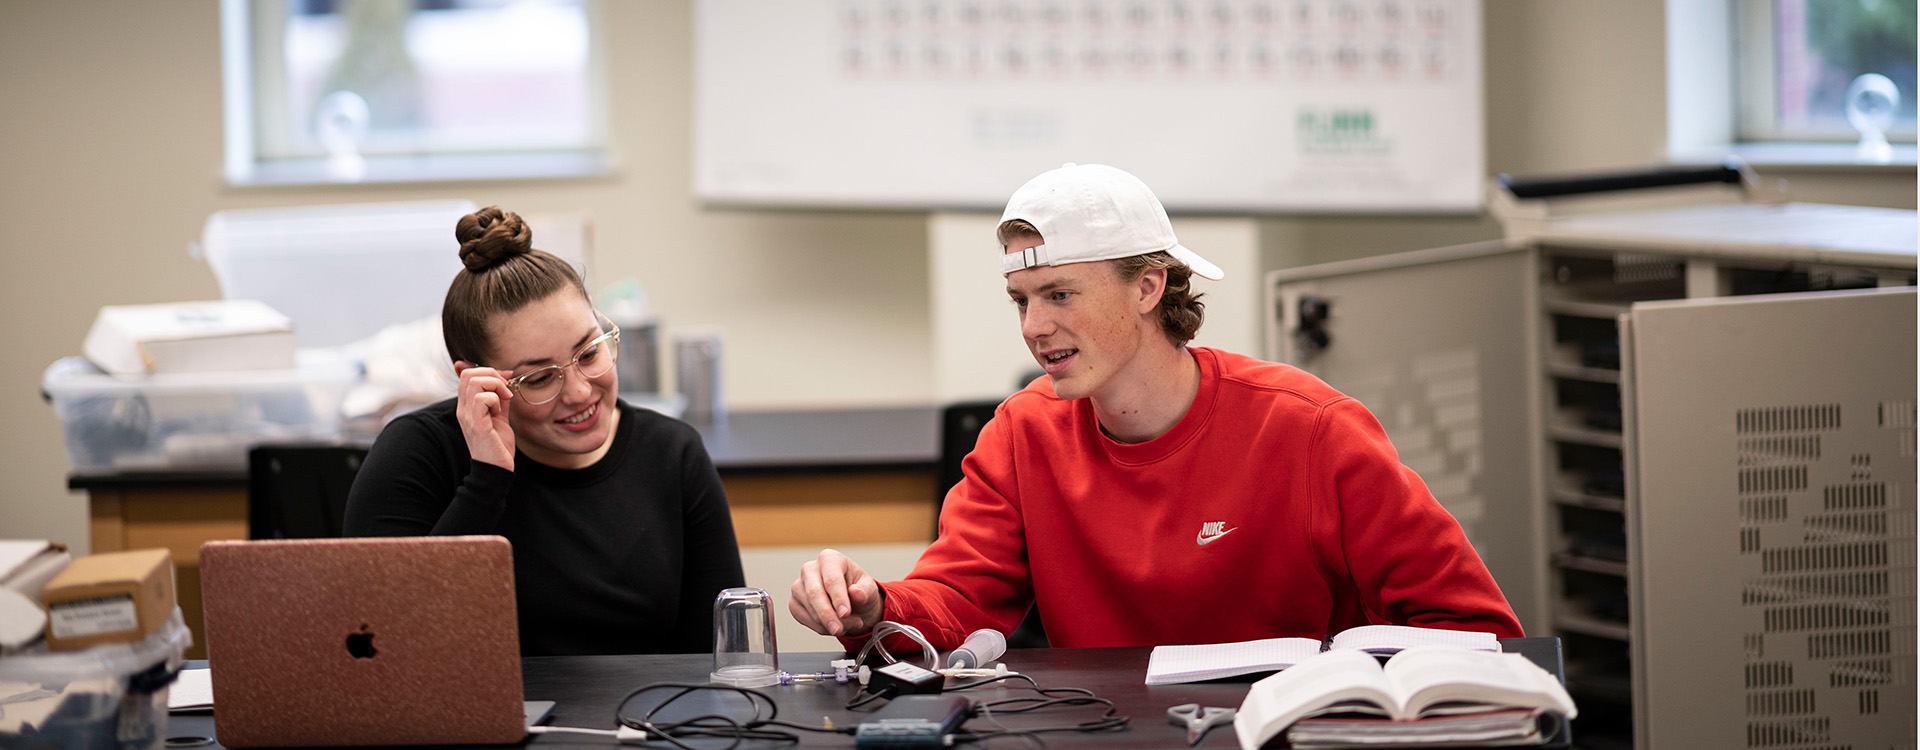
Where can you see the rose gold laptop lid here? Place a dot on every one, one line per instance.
(403, 641)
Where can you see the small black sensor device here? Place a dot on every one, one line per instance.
(901, 678)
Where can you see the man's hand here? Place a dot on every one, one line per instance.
(833, 596)
(482, 411)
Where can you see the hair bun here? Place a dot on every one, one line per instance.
(489, 236)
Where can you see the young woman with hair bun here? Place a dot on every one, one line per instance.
(620, 529)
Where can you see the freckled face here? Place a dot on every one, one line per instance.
(1080, 321)
(576, 427)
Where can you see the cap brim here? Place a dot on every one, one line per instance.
(1201, 266)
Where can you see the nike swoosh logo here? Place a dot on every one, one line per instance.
(1204, 540)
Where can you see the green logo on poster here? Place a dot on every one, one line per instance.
(1339, 131)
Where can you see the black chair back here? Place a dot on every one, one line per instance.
(959, 430)
(299, 491)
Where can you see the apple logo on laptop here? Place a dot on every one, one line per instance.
(361, 644)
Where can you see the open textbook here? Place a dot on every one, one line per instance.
(1422, 695)
(1213, 661)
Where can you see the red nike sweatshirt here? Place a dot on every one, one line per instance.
(1275, 507)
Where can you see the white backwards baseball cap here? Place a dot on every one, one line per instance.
(1088, 212)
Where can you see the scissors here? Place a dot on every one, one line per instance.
(1198, 719)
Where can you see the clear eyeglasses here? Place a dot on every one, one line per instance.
(543, 384)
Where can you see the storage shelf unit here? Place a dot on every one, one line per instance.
(1563, 361)
(1591, 565)
(1570, 282)
(1590, 275)
(1617, 631)
(1596, 502)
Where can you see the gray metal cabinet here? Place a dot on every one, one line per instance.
(1497, 369)
(1772, 519)
(1434, 343)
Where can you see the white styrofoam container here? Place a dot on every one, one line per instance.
(197, 421)
(341, 272)
(209, 336)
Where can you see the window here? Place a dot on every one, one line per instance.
(406, 90)
(1768, 80)
(1798, 59)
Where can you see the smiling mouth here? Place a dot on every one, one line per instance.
(1061, 355)
(582, 416)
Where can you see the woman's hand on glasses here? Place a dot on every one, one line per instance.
(482, 411)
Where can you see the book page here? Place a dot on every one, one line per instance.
(1495, 728)
(1427, 676)
(1392, 638)
(1212, 661)
(1307, 688)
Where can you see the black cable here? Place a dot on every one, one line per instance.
(1109, 721)
(864, 698)
(1023, 705)
(1107, 724)
(986, 738)
(809, 727)
(991, 680)
(755, 727)
(710, 725)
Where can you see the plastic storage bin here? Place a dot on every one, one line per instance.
(201, 421)
(107, 697)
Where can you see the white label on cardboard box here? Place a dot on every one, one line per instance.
(87, 617)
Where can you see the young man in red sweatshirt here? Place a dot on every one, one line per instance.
(1146, 492)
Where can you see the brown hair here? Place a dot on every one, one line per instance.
(1181, 311)
(1012, 228)
(503, 274)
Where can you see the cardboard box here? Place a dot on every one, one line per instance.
(109, 597)
(221, 336)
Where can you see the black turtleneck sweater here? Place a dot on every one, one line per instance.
(622, 557)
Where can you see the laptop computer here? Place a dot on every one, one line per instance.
(376, 641)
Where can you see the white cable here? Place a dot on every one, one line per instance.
(544, 729)
(998, 670)
(889, 627)
(624, 733)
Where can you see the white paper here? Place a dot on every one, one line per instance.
(1174, 664)
(192, 690)
(1495, 728)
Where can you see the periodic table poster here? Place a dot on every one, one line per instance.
(1219, 105)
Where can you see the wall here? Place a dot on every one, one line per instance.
(978, 353)
(1571, 87)
(110, 162)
